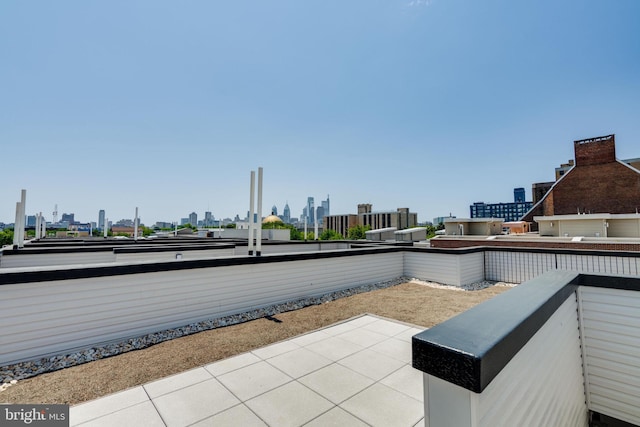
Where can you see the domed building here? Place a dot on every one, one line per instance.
(271, 221)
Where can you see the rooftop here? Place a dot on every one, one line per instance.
(346, 374)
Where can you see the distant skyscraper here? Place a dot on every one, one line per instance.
(208, 219)
(320, 214)
(286, 215)
(193, 219)
(518, 195)
(69, 218)
(274, 210)
(325, 206)
(310, 211)
(101, 216)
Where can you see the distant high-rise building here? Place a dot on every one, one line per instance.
(518, 195)
(325, 206)
(310, 211)
(274, 210)
(209, 220)
(101, 217)
(193, 218)
(69, 218)
(320, 214)
(286, 215)
(31, 221)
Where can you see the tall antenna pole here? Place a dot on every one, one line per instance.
(252, 196)
(259, 214)
(135, 226)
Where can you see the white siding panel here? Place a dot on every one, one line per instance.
(53, 317)
(611, 346)
(441, 268)
(168, 256)
(471, 268)
(543, 384)
(62, 258)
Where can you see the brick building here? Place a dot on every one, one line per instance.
(598, 183)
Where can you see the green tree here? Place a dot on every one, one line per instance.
(331, 235)
(357, 232)
(232, 225)
(6, 236)
(431, 231)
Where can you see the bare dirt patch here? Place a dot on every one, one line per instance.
(409, 302)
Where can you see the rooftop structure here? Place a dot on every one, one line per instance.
(598, 183)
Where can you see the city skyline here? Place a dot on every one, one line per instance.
(431, 105)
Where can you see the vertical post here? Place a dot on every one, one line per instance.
(43, 227)
(259, 215)
(37, 226)
(106, 227)
(135, 226)
(252, 196)
(23, 220)
(16, 227)
(315, 226)
(305, 226)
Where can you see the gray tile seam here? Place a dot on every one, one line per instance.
(144, 386)
(155, 408)
(113, 411)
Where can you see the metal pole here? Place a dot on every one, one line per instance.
(16, 226)
(315, 226)
(252, 196)
(259, 219)
(135, 226)
(23, 205)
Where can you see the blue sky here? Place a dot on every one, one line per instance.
(433, 105)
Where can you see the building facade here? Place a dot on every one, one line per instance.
(508, 211)
(400, 219)
(598, 183)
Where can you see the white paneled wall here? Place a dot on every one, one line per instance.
(55, 258)
(541, 385)
(171, 255)
(610, 325)
(450, 269)
(42, 318)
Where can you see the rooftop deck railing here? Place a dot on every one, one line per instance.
(553, 351)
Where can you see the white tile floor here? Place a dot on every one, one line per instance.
(356, 373)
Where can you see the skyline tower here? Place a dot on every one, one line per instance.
(101, 216)
(325, 209)
(286, 215)
(310, 211)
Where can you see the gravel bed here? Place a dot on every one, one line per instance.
(11, 373)
(470, 287)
